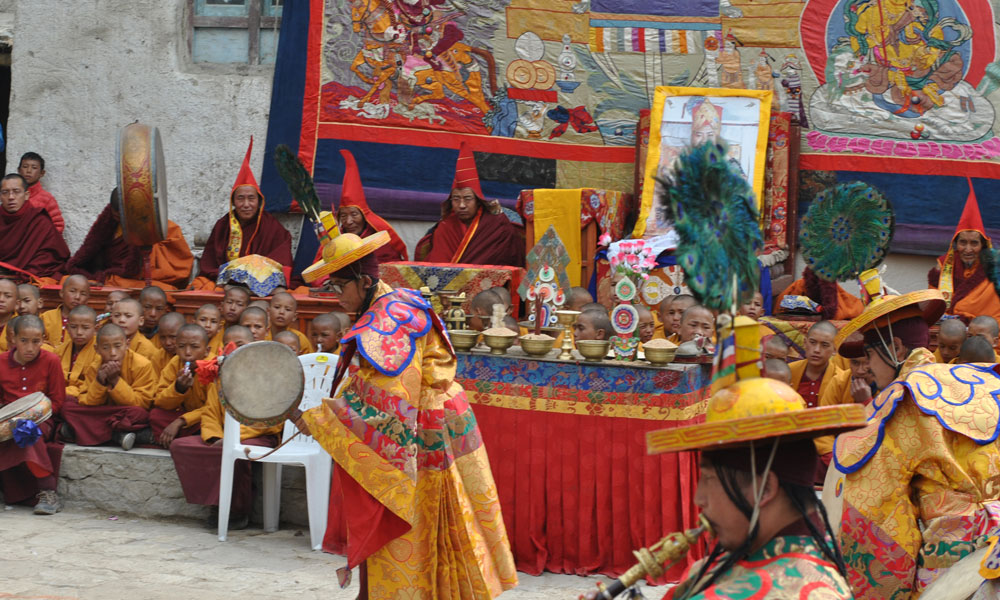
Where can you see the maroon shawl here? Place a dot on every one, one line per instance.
(496, 241)
(272, 240)
(29, 241)
(104, 253)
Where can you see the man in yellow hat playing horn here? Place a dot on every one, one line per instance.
(758, 463)
(421, 506)
(920, 482)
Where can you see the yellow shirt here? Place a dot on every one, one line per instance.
(304, 344)
(55, 326)
(135, 385)
(140, 345)
(213, 420)
(74, 367)
(168, 398)
(798, 369)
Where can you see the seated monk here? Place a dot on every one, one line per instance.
(965, 273)
(471, 230)
(354, 216)
(108, 259)
(30, 245)
(247, 229)
(836, 303)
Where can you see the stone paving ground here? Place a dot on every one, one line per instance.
(86, 555)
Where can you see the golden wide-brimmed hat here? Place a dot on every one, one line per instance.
(756, 409)
(342, 251)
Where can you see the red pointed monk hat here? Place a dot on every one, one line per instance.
(352, 193)
(466, 175)
(245, 176)
(971, 219)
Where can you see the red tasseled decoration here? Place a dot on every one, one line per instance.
(207, 371)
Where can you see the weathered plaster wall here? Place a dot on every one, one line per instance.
(82, 69)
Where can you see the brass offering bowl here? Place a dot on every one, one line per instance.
(593, 350)
(463, 339)
(499, 343)
(550, 331)
(537, 348)
(659, 356)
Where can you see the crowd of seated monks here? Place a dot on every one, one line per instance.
(471, 230)
(130, 376)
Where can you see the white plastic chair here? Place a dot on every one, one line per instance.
(319, 370)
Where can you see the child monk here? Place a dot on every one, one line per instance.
(127, 314)
(777, 370)
(234, 301)
(8, 305)
(775, 348)
(812, 375)
(577, 297)
(117, 393)
(74, 292)
(76, 353)
(987, 327)
(198, 459)
(325, 333)
(481, 309)
(950, 337)
(255, 319)
(289, 339)
(754, 307)
(282, 314)
(345, 321)
(153, 301)
(31, 472)
(209, 317)
(696, 322)
(113, 297)
(647, 325)
(671, 314)
(29, 300)
(179, 395)
(592, 325)
(166, 331)
(976, 349)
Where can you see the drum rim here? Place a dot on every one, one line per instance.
(154, 150)
(8, 423)
(253, 421)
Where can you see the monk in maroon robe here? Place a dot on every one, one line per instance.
(471, 230)
(247, 229)
(29, 242)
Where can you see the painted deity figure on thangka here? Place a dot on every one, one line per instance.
(904, 69)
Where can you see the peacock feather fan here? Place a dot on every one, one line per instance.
(715, 217)
(847, 230)
(298, 180)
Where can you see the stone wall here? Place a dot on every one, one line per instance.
(143, 482)
(82, 69)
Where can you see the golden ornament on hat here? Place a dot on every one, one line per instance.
(342, 251)
(927, 304)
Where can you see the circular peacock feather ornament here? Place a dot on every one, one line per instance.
(715, 216)
(847, 230)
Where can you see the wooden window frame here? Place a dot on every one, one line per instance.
(253, 23)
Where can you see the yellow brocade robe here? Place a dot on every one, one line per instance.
(404, 433)
(921, 482)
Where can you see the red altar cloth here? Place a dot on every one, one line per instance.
(567, 447)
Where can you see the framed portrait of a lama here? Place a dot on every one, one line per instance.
(687, 116)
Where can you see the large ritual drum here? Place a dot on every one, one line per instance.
(142, 185)
(261, 383)
(36, 407)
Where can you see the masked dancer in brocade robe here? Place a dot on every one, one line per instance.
(421, 505)
(966, 274)
(920, 483)
(471, 230)
(247, 229)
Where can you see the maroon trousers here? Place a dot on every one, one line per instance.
(94, 425)
(199, 466)
(160, 419)
(26, 471)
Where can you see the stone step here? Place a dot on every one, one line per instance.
(142, 482)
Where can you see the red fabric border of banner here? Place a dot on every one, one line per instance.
(906, 166)
(311, 91)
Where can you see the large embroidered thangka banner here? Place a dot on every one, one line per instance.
(901, 93)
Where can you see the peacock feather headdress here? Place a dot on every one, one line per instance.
(300, 184)
(715, 216)
(847, 230)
